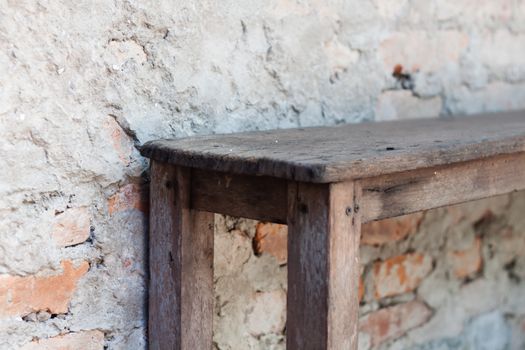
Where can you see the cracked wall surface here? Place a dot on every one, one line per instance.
(83, 84)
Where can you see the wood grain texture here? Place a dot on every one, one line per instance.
(402, 193)
(163, 300)
(252, 197)
(264, 198)
(323, 266)
(181, 264)
(334, 154)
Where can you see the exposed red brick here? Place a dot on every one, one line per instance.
(468, 261)
(271, 239)
(85, 340)
(393, 322)
(400, 274)
(71, 227)
(127, 263)
(398, 70)
(23, 295)
(121, 142)
(361, 288)
(390, 230)
(130, 196)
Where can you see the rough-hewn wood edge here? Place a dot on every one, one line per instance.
(323, 266)
(232, 164)
(180, 152)
(164, 308)
(429, 158)
(412, 191)
(181, 264)
(321, 173)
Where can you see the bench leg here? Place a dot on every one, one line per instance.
(181, 265)
(323, 266)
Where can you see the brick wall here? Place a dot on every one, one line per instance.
(84, 83)
(449, 278)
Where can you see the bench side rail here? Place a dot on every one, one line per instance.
(265, 199)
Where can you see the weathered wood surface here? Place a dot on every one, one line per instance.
(264, 198)
(323, 266)
(411, 191)
(303, 180)
(181, 264)
(252, 197)
(333, 154)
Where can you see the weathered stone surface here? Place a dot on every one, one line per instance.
(71, 227)
(402, 104)
(90, 80)
(494, 97)
(502, 48)
(467, 261)
(422, 51)
(391, 8)
(392, 322)
(508, 244)
(86, 340)
(486, 332)
(478, 210)
(267, 316)
(257, 305)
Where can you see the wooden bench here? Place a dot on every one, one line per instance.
(323, 183)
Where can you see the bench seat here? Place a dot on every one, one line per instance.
(322, 182)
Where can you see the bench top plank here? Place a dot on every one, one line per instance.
(351, 151)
